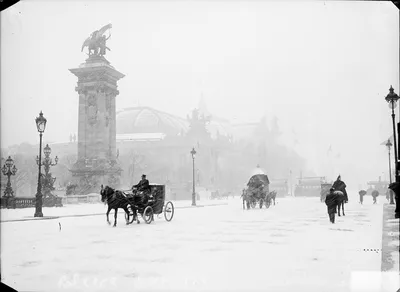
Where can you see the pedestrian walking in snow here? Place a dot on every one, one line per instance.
(374, 194)
(331, 203)
(362, 194)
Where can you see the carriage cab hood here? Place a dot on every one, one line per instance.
(259, 177)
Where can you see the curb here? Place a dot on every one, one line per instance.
(390, 232)
(96, 214)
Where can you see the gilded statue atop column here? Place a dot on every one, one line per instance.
(96, 42)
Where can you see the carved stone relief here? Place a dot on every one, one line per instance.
(92, 109)
(113, 180)
(108, 109)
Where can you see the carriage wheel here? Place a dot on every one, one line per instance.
(131, 215)
(148, 214)
(169, 211)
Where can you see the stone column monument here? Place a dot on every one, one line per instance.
(97, 89)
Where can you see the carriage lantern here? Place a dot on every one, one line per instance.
(193, 152)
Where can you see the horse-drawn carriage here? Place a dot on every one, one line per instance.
(256, 192)
(135, 203)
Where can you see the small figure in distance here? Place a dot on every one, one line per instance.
(374, 194)
(330, 202)
(362, 194)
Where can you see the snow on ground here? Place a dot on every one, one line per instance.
(289, 246)
(83, 209)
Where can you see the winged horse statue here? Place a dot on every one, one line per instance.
(96, 43)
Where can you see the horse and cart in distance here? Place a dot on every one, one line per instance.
(257, 191)
(135, 203)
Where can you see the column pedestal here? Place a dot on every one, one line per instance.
(97, 161)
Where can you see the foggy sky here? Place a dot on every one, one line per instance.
(322, 68)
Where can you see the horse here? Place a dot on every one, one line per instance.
(272, 196)
(251, 197)
(246, 198)
(341, 199)
(115, 200)
(325, 187)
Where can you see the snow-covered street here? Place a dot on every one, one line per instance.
(289, 246)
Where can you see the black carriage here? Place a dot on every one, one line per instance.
(155, 205)
(256, 192)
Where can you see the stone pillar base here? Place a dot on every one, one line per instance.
(90, 176)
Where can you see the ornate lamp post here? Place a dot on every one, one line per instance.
(41, 126)
(48, 180)
(389, 145)
(193, 152)
(392, 98)
(9, 169)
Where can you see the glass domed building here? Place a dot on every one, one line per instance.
(141, 123)
(149, 120)
(158, 144)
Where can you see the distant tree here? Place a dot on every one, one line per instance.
(26, 175)
(62, 170)
(263, 148)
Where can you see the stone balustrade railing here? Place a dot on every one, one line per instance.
(56, 201)
(79, 199)
(29, 202)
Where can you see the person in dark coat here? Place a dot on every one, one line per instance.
(331, 203)
(374, 194)
(142, 189)
(362, 194)
(143, 184)
(395, 187)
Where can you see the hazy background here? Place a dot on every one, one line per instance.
(322, 68)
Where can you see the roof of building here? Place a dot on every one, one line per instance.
(141, 137)
(149, 120)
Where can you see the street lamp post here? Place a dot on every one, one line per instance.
(392, 98)
(193, 152)
(9, 169)
(389, 145)
(41, 126)
(48, 180)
